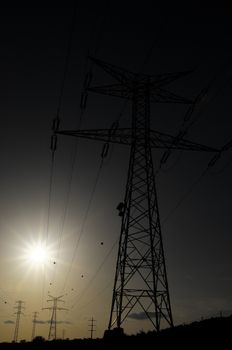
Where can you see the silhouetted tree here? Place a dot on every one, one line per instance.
(38, 339)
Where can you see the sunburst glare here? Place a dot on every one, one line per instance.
(37, 254)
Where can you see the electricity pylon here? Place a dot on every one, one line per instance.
(34, 325)
(92, 325)
(19, 308)
(52, 329)
(140, 279)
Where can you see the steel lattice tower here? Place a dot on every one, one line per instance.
(34, 325)
(53, 322)
(140, 279)
(19, 308)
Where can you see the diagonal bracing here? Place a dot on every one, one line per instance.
(140, 283)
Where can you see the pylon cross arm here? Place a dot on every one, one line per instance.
(124, 136)
(116, 90)
(160, 95)
(120, 74)
(159, 80)
(127, 77)
(121, 136)
(166, 141)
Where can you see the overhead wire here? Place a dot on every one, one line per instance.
(55, 128)
(67, 59)
(185, 195)
(84, 96)
(82, 226)
(201, 103)
(65, 210)
(100, 292)
(48, 217)
(96, 273)
(72, 167)
(184, 131)
(227, 147)
(210, 165)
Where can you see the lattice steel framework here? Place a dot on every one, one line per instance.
(53, 322)
(141, 278)
(19, 312)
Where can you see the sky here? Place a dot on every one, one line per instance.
(73, 212)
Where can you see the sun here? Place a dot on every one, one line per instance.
(37, 254)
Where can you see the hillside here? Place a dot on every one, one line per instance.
(213, 331)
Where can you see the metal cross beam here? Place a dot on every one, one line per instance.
(125, 136)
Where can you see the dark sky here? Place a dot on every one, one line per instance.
(196, 223)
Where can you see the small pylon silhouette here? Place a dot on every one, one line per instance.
(19, 308)
(53, 322)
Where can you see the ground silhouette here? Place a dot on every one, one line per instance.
(209, 332)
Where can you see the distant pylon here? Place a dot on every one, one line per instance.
(52, 329)
(92, 325)
(34, 325)
(19, 308)
(140, 286)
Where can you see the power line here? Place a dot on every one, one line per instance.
(196, 108)
(55, 128)
(186, 195)
(67, 59)
(56, 121)
(211, 164)
(84, 95)
(83, 306)
(67, 199)
(83, 225)
(96, 273)
(48, 217)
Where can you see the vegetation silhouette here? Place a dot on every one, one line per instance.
(208, 332)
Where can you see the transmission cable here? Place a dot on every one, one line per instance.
(67, 59)
(83, 225)
(70, 179)
(96, 273)
(48, 217)
(211, 163)
(188, 121)
(55, 128)
(100, 292)
(84, 95)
